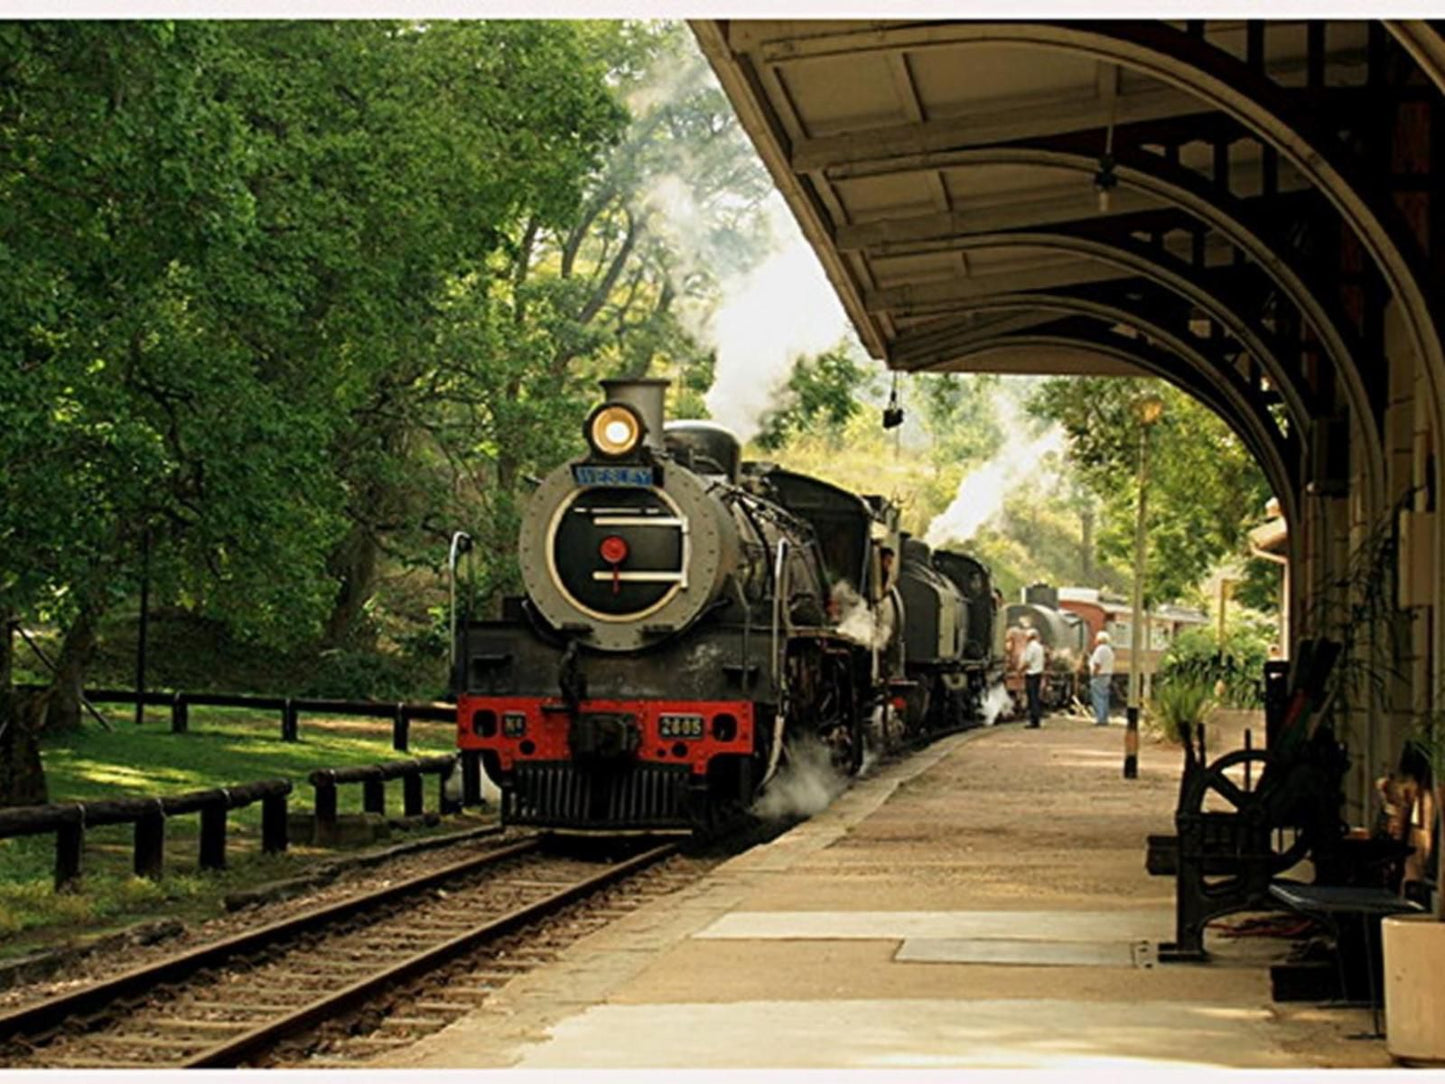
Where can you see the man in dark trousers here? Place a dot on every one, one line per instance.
(1033, 665)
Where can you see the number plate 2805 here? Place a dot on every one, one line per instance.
(680, 726)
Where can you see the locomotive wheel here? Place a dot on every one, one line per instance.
(1256, 807)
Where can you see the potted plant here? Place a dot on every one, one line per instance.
(1414, 945)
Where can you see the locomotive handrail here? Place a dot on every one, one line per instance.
(779, 592)
(780, 673)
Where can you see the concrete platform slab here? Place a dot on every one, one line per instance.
(1035, 1034)
(979, 950)
(942, 925)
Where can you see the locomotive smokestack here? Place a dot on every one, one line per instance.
(646, 396)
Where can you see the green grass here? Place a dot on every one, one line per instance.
(224, 746)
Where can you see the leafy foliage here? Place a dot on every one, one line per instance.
(1196, 516)
(1237, 663)
(820, 394)
(226, 251)
(1181, 701)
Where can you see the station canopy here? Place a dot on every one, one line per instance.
(969, 188)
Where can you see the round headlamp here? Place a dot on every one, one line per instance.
(614, 429)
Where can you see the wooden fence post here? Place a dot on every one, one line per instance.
(290, 724)
(180, 714)
(150, 843)
(400, 729)
(213, 835)
(325, 799)
(69, 852)
(273, 824)
(411, 794)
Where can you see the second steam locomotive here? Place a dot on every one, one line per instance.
(692, 621)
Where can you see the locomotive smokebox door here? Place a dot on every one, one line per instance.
(598, 736)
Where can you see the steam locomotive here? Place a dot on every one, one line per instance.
(691, 622)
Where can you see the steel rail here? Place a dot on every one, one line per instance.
(53, 1011)
(234, 1051)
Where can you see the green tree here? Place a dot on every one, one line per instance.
(130, 402)
(959, 411)
(1199, 511)
(227, 249)
(819, 398)
(615, 288)
(448, 142)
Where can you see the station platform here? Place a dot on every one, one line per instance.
(982, 904)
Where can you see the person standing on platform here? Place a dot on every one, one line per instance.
(1101, 677)
(1033, 665)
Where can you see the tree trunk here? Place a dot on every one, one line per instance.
(354, 565)
(22, 775)
(58, 708)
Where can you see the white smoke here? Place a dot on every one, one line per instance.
(806, 785)
(981, 493)
(995, 703)
(859, 622)
(766, 318)
(783, 309)
(491, 795)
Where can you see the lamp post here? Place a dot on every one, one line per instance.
(1148, 411)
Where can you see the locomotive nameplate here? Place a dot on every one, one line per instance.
(591, 474)
(680, 726)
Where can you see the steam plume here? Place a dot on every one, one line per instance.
(982, 492)
(859, 622)
(782, 309)
(765, 318)
(804, 786)
(994, 704)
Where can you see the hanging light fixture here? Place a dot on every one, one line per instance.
(1105, 180)
(893, 412)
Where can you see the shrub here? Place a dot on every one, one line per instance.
(1180, 703)
(1198, 656)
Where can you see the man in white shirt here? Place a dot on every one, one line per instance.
(1032, 662)
(1101, 677)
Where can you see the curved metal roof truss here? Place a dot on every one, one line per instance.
(1189, 191)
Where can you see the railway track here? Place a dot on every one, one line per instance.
(234, 1002)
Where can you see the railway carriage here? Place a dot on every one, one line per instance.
(1099, 613)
